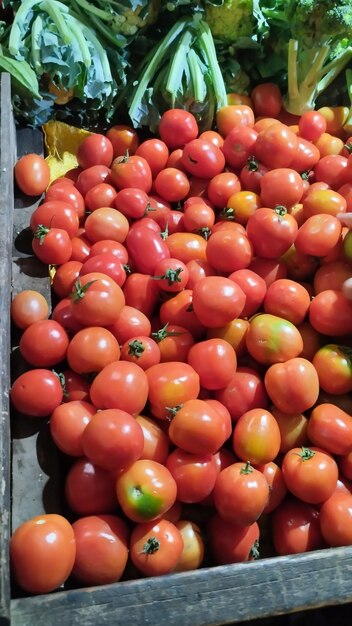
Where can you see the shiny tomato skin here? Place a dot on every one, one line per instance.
(92, 176)
(112, 439)
(319, 201)
(330, 313)
(198, 428)
(28, 306)
(318, 235)
(217, 300)
(230, 543)
(197, 269)
(171, 384)
(101, 195)
(331, 275)
(251, 174)
(244, 392)
(277, 486)
(89, 489)
(292, 386)
(155, 152)
(268, 269)
(42, 553)
(193, 546)
(334, 366)
(256, 437)
(272, 339)
(142, 350)
(106, 223)
(107, 264)
(131, 171)
(276, 146)
(102, 300)
(187, 247)
(202, 158)
(156, 442)
(238, 146)
(195, 474)
(146, 248)
(120, 385)
(221, 187)
(54, 247)
(232, 115)
(177, 127)
(130, 322)
(240, 494)
(172, 184)
(287, 299)
(293, 429)
(296, 528)
(124, 139)
(141, 293)
(145, 490)
(68, 194)
(254, 288)
(36, 392)
(132, 202)
(228, 251)
(179, 310)
(67, 423)
(101, 549)
(95, 149)
(281, 186)
(215, 362)
(156, 547)
(44, 343)
(310, 474)
(65, 278)
(335, 520)
(80, 248)
(330, 428)
(312, 125)
(271, 232)
(306, 157)
(32, 174)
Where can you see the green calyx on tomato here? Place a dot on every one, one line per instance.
(151, 546)
(306, 454)
(280, 210)
(254, 551)
(135, 348)
(79, 290)
(252, 164)
(172, 410)
(62, 380)
(172, 276)
(146, 504)
(161, 334)
(41, 233)
(228, 213)
(204, 232)
(247, 468)
(164, 233)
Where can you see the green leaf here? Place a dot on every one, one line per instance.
(21, 73)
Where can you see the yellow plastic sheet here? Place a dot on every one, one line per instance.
(62, 141)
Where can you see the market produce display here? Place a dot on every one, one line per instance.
(196, 366)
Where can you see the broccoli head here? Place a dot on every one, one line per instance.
(231, 20)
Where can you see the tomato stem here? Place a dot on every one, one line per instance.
(151, 546)
(172, 410)
(40, 233)
(252, 164)
(254, 551)
(79, 290)
(247, 468)
(165, 233)
(161, 334)
(228, 213)
(172, 276)
(136, 348)
(204, 232)
(62, 380)
(306, 453)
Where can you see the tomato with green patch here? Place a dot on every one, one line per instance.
(272, 339)
(145, 490)
(334, 366)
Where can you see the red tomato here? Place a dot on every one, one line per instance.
(174, 342)
(296, 528)
(292, 386)
(293, 429)
(310, 474)
(319, 201)
(244, 392)
(146, 248)
(271, 339)
(230, 543)
(299, 266)
(215, 362)
(44, 343)
(55, 214)
(177, 127)
(276, 146)
(193, 546)
(65, 278)
(67, 423)
(95, 149)
(156, 547)
(277, 487)
(89, 489)
(107, 264)
(28, 306)
(330, 313)
(109, 246)
(267, 100)
(187, 247)
(52, 245)
(171, 384)
(172, 184)
(331, 170)
(240, 494)
(239, 145)
(213, 136)
(124, 139)
(318, 235)
(171, 275)
(330, 428)
(202, 159)
(141, 293)
(42, 553)
(241, 206)
(228, 251)
(80, 248)
(269, 269)
(155, 152)
(36, 393)
(32, 174)
(306, 157)
(143, 351)
(156, 442)
(221, 187)
(91, 349)
(132, 202)
(97, 300)
(62, 313)
(106, 223)
(101, 549)
(112, 439)
(198, 217)
(197, 427)
(92, 176)
(233, 115)
(251, 174)
(120, 385)
(131, 171)
(312, 125)
(101, 195)
(195, 474)
(254, 288)
(281, 186)
(76, 387)
(256, 437)
(67, 194)
(271, 232)
(335, 520)
(198, 269)
(130, 322)
(334, 366)
(145, 490)
(217, 301)
(287, 299)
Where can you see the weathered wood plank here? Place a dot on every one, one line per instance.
(209, 597)
(7, 160)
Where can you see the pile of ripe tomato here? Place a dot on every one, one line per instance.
(196, 365)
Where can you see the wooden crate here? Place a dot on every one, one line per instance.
(219, 595)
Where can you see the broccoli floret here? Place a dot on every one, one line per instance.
(316, 36)
(231, 20)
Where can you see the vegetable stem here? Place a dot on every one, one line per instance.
(56, 15)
